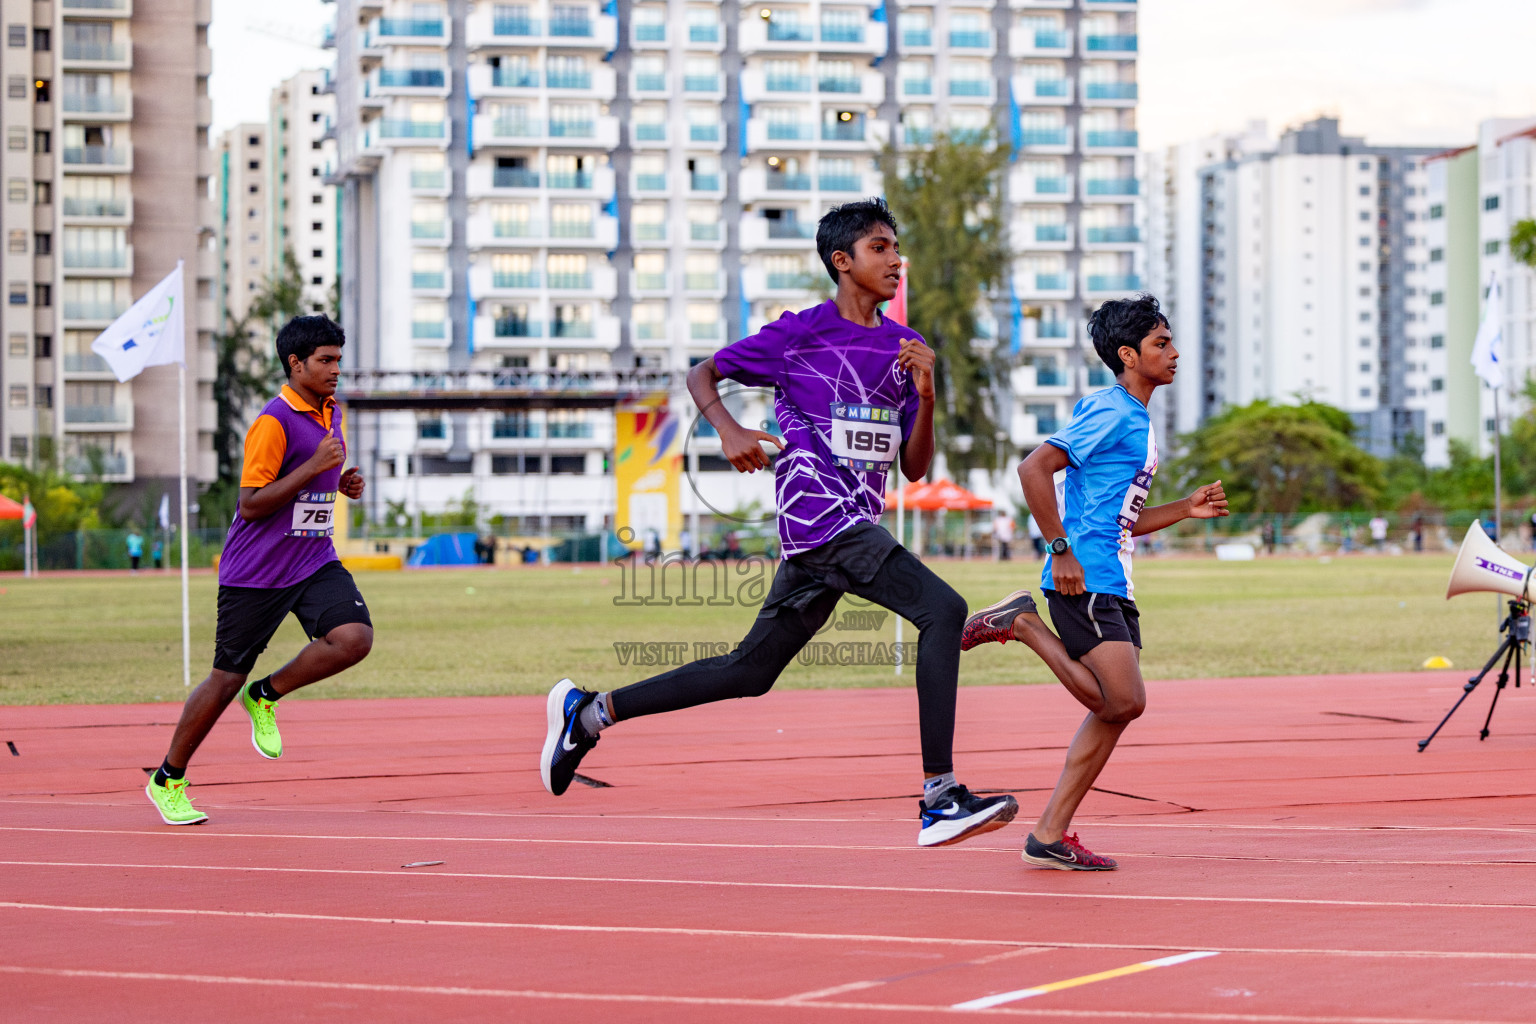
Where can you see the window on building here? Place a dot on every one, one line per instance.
(1436, 255)
(1365, 190)
(1437, 428)
(1436, 211)
(16, 86)
(43, 192)
(18, 396)
(43, 347)
(45, 396)
(1437, 341)
(42, 142)
(1490, 202)
(315, 200)
(315, 144)
(1365, 215)
(18, 447)
(41, 90)
(17, 293)
(1437, 298)
(42, 296)
(17, 346)
(1491, 248)
(42, 40)
(318, 254)
(16, 241)
(315, 225)
(16, 140)
(1365, 241)
(1437, 384)
(16, 36)
(42, 243)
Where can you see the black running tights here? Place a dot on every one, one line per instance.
(902, 584)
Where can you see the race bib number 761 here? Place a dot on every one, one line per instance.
(313, 514)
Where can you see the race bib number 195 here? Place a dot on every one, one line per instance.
(865, 438)
(312, 514)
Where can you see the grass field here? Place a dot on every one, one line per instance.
(446, 632)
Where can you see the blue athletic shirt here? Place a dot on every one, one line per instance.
(1112, 457)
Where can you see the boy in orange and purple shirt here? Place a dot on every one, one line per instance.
(278, 558)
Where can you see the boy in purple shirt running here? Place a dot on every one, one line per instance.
(278, 559)
(853, 391)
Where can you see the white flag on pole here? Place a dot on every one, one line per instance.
(165, 512)
(151, 333)
(1488, 348)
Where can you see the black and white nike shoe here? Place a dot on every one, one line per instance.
(1066, 854)
(960, 814)
(567, 742)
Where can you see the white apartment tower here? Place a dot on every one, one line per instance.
(570, 185)
(107, 167)
(303, 212)
(1314, 263)
(244, 203)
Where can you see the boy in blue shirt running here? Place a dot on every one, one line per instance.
(1109, 453)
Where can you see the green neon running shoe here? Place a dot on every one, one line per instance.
(172, 803)
(264, 735)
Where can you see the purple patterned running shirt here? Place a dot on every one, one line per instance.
(844, 408)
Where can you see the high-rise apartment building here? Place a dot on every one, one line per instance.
(569, 186)
(303, 209)
(244, 200)
(1313, 262)
(1452, 410)
(106, 167)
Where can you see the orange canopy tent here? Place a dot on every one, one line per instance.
(10, 509)
(938, 496)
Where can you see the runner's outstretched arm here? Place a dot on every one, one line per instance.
(1208, 502)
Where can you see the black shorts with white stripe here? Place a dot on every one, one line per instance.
(1083, 621)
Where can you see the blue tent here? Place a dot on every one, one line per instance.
(446, 549)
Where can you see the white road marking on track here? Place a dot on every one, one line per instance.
(814, 886)
(987, 1002)
(273, 915)
(588, 997)
(723, 816)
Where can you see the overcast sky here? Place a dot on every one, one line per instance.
(1396, 71)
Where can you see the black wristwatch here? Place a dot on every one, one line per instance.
(1059, 546)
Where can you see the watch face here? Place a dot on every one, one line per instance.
(1059, 546)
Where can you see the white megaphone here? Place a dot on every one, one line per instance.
(1483, 565)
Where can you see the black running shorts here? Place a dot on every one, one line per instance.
(1083, 621)
(249, 616)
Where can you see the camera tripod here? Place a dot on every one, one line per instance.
(1516, 630)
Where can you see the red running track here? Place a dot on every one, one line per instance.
(757, 862)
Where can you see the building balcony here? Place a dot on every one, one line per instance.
(1046, 140)
(86, 364)
(1110, 45)
(485, 179)
(118, 416)
(110, 467)
(99, 262)
(653, 131)
(429, 280)
(781, 234)
(916, 87)
(97, 56)
(917, 39)
(780, 36)
(432, 333)
(1036, 91)
(756, 85)
(600, 133)
(432, 232)
(705, 134)
(980, 88)
(916, 134)
(602, 232)
(1112, 283)
(98, 8)
(506, 332)
(1028, 42)
(1043, 285)
(404, 132)
(429, 181)
(704, 231)
(649, 34)
(1116, 139)
(648, 231)
(758, 283)
(1116, 234)
(972, 41)
(868, 39)
(710, 330)
(650, 182)
(406, 32)
(115, 208)
(853, 130)
(712, 85)
(1033, 379)
(485, 282)
(650, 82)
(711, 282)
(707, 36)
(94, 312)
(484, 28)
(406, 81)
(1110, 93)
(117, 159)
(1053, 236)
(1111, 189)
(840, 182)
(704, 183)
(656, 282)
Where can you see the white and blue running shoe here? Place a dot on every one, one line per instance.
(566, 742)
(961, 814)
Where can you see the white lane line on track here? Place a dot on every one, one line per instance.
(987, 1002)
(813, 886)
(928, 972)
(737, 933)
(857, 848)
(775, 819)
(587, 997)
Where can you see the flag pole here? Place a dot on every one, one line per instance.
(186, 615)
(901, 538)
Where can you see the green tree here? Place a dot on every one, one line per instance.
(63, 505)
(1283, 458)
(946, 199)
(1522, 242)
